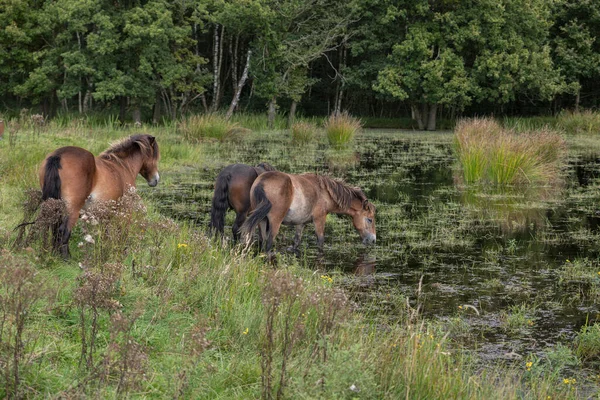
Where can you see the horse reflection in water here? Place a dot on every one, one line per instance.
(365, 265)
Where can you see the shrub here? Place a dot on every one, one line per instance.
(489, 153)
(303, 132)
(210, 126)
(341, 129)
(584, 122)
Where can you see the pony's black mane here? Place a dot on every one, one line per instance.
(146, 144)
(266, 166)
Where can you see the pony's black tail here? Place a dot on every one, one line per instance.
(51, 190)
(51, 187)
(220, 203)
(263, 206)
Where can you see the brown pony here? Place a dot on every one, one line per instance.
(76, 176)
(232, 190)
(278, 198)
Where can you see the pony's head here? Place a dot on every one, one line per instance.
(363, 218)
(137, 147)
(150, 157)
(352, 201)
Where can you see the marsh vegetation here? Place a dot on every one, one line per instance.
(473, 291)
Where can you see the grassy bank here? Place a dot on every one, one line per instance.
(154, 308)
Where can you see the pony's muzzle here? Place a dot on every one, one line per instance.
(154, 181)
(369, 239)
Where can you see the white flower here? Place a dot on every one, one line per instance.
(88, 238)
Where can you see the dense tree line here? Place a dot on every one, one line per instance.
(155, 58)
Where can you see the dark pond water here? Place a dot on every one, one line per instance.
(494, 251)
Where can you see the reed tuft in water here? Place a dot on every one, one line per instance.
(488, 153)
(196, 128)
(341, 129)
(303, 132)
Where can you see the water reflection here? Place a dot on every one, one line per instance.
(365, 264)
(513, 209)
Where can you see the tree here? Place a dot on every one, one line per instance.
(454, 52)
(576, 42)
(297, 33)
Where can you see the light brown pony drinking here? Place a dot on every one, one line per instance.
(232, 190)
(76, 176)
(278, 198)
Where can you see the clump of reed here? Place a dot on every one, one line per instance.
(583, 122)
(341, 129)
(196, 128)
(488, 153)
(303, 132)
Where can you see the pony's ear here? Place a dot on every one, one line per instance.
(152, 139)
(365, 205)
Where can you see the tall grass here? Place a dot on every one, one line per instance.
(209, 126)
(584, 122)
(341, 129)
(488, 153)
(303, 132)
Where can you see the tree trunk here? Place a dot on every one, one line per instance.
(137, 116)
(292, 115)
(217, 60)
(577, 98)
(272, 113)
(233, 50)
(431, 118)
(86, 100)
(156, 111)
(341, 82)
(240, 86)
(122, 108)
(416, 112)
(204, 103)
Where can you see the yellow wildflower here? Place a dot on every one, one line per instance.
(327, 278)
(180, 245)
(245, 332)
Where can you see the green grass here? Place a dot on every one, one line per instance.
(488, 153)
(587, 342)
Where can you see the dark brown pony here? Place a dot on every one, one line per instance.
(278, 198)
(232, 190)
(76, 176)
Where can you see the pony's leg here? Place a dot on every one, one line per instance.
(67, 226)
(273, 231)
(320, 231)
(237, 224)
(262, 234)
(297, 238)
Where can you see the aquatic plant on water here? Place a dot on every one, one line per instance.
(210, 126)
(488, 153)
(341, 129)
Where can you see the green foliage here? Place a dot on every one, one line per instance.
(455, 53)
(341, 129)
(488, 153)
